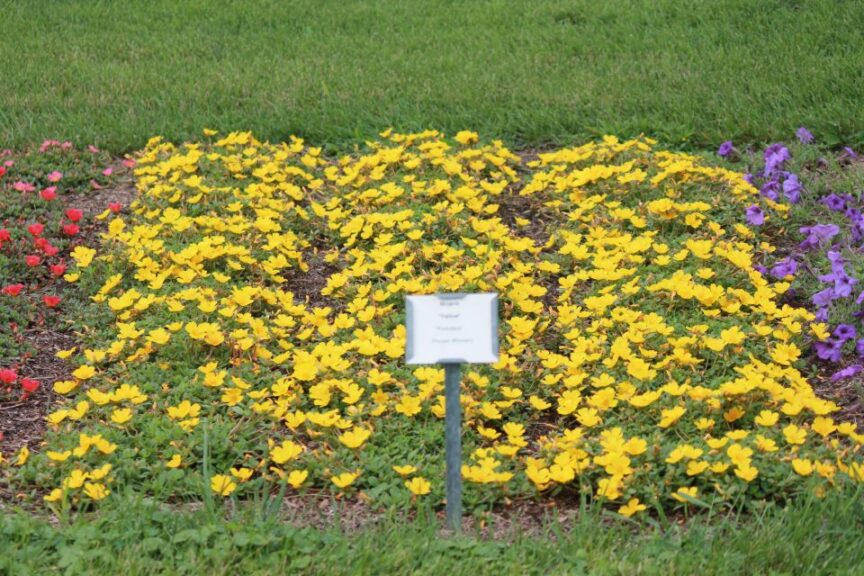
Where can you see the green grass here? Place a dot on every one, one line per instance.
(133, 537)
(690, 72)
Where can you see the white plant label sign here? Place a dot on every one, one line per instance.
(452, 329)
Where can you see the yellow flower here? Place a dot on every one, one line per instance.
(746, 472)
(23, 456)
(418, 486)
(121, 415)
(58, 456)
(242, 474)
(65, 386)
(345, 479)
(55, 495)
(631, 507)
(222, 485)
(297, 477)
(682, 493)
(405, 470)
(669, 416)
(767, 418)
(96, 491)
(794, 435)
(84, 372)
(174, 462)
(355, 437)
(285, 452)
(802, 466)
(466, 137)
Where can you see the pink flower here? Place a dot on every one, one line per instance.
(36, 229)
(58, 269)
(50, 250)
(71, 229)
(51, 301)
(48, 144)
(5, 235)
(74, 214)
(29, 385)
(23, 186)
(33, 260)
(92, 149)
(55, 176)
(107, 171)
(128, 162)
(49, 193)
(12, 289)
(66, 145)
(95, 185)
(8, 376)
(2, 171)
(115, 207)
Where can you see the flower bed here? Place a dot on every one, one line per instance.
(252, 331)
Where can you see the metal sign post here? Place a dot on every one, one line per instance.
(451, 330)
(453, 445)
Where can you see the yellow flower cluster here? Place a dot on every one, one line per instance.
(258, 289)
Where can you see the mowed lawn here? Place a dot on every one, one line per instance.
(692, 73)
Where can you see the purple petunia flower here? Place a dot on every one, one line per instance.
(725, 149)
(818, 234)
(770, 190)
(761, 269)
(822, 315)
(849, 153)
(749, 178)
(823, 298)
(785, 267)
(775, 156)
(829, 350)
(792, 188)
(804, 135)
(845, 332)
(859, 347)
(847, 372)
(834, 202)
(755, 215)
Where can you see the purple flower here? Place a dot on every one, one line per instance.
(775, 156)
(847, 372)
(860, 298)
(792, 188)
(859, 347)
(821, 315)
(783, 268)
(829, 350)
(804, 135)
(844, 332)
(749, 178)
(755, 215)
(818, 234)
(823, 298)
(770, 189)
(725, 149)
(834, 202)
(849, 153)
(761, 269)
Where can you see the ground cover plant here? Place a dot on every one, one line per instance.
(690, 73)
(249, 332)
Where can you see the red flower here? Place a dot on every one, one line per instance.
(50, 250)
(8, 376)
(51, 301)
(115, 207)
(5, 235)
(29, 385)
(71, 229)
(36, 229)
(58, 269)
(49, 193)
(2, 171)
(32, 260)
(74, 214)
(12, 289)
